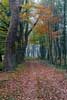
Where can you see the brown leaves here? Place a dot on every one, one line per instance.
(35, 82)
(41, 28)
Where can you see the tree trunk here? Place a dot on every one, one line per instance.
(64, 32)
(9, 59)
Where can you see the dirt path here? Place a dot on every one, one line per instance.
(34, 82)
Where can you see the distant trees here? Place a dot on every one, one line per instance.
(57, 38)
(24, 17)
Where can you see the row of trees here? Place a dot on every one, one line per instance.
(18, 32)
(20, 18)
(56, 37)
(54, 32)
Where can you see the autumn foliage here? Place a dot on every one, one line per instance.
(46, 18)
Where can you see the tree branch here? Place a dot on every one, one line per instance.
(32, 27)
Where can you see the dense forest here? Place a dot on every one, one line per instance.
(26, 25)
(33, 33)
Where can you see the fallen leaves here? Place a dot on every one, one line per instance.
(35, 82)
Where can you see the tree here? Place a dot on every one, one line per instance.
(4, 24)
(64, 32)
(13, 36)
(9, 59)
(26, 17)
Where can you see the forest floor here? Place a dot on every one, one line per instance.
(34, 81)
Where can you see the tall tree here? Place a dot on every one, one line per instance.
(9, 59)
(13, 36)
(64, 32)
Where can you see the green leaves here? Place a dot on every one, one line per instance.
(4, 24)
(5, 2)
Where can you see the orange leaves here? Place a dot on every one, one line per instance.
(46, 18)
(46, 11)
(40, 10)
(41, 28)
(43, 10)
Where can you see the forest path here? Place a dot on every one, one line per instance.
(35, 81)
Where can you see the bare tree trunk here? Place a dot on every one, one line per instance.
(64, 33)
(9, 59)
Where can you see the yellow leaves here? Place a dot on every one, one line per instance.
(27, 15)
(38, 6)
(39, 10)
(45, 17)
(24, 15)
(27, 6)
(32, 5)
(5, 2)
